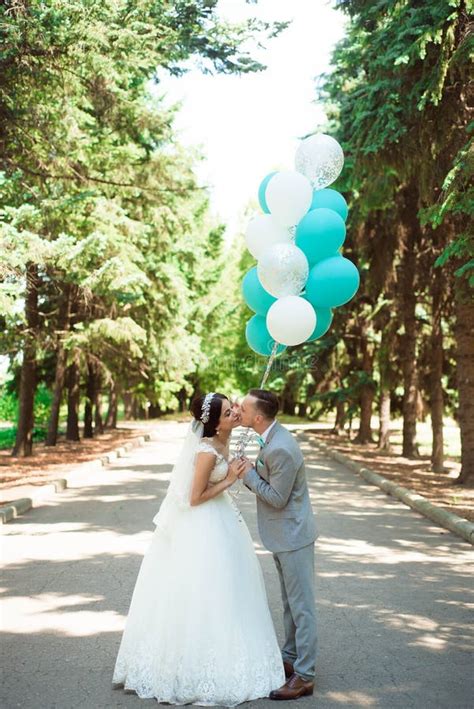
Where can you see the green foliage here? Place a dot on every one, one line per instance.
(8, 404)
(396, 98)
(42, 407)
(399, 99)
(457, 203)
(97, 194)
(7, 436)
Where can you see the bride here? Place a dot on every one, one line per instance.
(199, 628)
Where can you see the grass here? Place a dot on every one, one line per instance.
(8, 435)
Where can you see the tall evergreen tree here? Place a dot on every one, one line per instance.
(95, 184)
(398, 95)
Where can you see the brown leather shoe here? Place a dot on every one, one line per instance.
(288, 669)
(294, 688)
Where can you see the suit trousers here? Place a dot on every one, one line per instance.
(296, 573)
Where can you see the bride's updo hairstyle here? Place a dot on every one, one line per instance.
(210, 410)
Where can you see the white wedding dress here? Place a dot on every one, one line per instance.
(199, 628)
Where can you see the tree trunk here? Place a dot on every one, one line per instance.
(90, 394)
(436, 373)
(384, 427)
(128, 405)
(112, 412)
(340, 418)
(364, 434)
(138, 410)
(98, 423)
(154, 411)
(289, 394)
(183, 401)
(24, 435)
(464, 331)
(388, 325)
(409, 339)
(141, 412)
(63, 325)
(73, 399)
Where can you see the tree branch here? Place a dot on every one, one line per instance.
(113, 183)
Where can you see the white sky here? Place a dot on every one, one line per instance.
(248, 125)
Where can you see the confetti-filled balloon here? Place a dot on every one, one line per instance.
(288, 196)
(319, 158)
(291, 320)
(263, 232)
(283, 270)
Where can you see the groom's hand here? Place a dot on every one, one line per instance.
(246, 467)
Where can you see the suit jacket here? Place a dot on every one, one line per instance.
(285, 517)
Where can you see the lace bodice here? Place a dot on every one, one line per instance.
(221, 466)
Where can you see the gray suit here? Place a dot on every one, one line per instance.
(287, 528)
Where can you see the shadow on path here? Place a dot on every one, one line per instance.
(393, 591)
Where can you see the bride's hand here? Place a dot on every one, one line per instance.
(248, 465)
(236, 467)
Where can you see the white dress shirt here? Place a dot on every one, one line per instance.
(267, 431)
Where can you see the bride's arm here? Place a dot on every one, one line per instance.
(201, 491)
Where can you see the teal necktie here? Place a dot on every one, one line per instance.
(260, 441)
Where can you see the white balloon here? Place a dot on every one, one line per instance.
(291, 320)
(288, 196)
(283, 270)
(263, 232)
(320, 158)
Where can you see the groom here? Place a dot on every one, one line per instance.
(287, 528)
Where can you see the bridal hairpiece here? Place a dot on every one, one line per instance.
(206, 406)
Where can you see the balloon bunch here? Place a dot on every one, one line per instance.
(300, 274)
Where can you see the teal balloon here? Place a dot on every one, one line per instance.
(320, 234)
(332, 282)
(324, 318)
(255, 295)
(261, 192)
(330, 199)
(258, 337)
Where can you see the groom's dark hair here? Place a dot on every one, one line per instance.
(267, 402)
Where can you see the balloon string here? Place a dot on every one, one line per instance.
(269, 365)
(246, 433)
